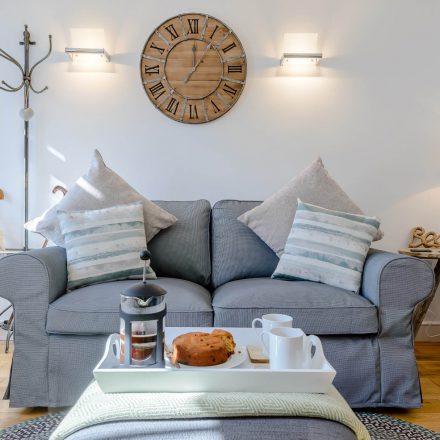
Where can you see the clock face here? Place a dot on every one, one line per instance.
(193, 68)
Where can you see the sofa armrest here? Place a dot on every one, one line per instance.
(31, 281)
(40, 270)
(396, 284)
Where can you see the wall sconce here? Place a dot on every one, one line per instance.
(75, 52)
(301, 51)
(87, 51)
(300, 58)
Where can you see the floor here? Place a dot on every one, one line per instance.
(428, 360)
(428, 357)
(11, 416)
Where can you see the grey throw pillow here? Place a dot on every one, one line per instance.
(99, 188)
(272, 220)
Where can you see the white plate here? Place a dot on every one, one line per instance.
(234, 360)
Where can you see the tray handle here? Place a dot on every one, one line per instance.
(116, 348)
(315, 351)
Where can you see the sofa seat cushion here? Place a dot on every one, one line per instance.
(94, 309)
(316, 308)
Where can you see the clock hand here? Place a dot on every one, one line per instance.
(194, 54)
(198, 63)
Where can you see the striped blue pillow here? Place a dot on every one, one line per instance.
(103, 245)
(327, 246)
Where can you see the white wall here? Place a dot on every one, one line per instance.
(373, 114)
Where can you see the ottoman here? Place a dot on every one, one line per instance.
(250, 428)
(210, 416)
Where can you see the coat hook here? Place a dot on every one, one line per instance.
(26, 113)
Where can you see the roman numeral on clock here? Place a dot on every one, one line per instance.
(214, 31)
(159, 49)
(172, 106)
(151, 70)
(157, 90)
(235, 69)
(193, 25)
(229, 47)
(193, 112)
(229, 90)
(172, 31)
(216, 109)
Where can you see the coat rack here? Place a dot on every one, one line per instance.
(26, 112)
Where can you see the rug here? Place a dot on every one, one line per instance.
(379, 426)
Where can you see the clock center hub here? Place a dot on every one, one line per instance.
(193, 69)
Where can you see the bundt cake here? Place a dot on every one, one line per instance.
(203, 349)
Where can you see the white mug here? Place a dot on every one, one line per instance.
(273, 320)
(290, 348)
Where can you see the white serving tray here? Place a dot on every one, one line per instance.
(248, 377)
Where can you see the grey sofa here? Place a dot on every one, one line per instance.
(217, 273)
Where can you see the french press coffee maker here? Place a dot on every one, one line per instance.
(142, 313)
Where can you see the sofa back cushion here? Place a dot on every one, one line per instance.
(183, 249)
(237, 252)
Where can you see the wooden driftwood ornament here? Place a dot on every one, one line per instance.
(422, 238)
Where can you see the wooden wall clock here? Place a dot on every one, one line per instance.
(193, 68)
